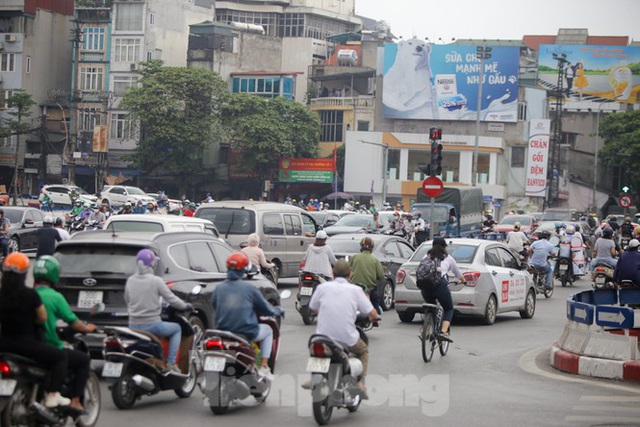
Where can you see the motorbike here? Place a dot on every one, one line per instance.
(135, 361)
(539, 277)
(271, 273)
(624, 242)
(603, 277)
(93, 225)
(307, 283)
(334, 376)
(22, 393)
(75, 223)
(231, 362)
(564, 271)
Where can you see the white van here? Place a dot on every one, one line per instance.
(159, 223)
(285, 231)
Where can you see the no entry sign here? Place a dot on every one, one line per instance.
(432, 186)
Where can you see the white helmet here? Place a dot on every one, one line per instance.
(570, 229)
(321, 235)
(48, 219)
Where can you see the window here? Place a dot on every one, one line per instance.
(126, 50)
(4, 98)
(272, 224)
(517, 157)
(508, 260)
(88, 118)
(221, 253)
(149, 55)
(8, 62)
(93, 38)
(6, 142)
(331, 125)
(121, 83)
(492, 258)
(363, 125)
(291, 25)
(27, 67)
(91, 78)
(201, 258)
(393, 164)
(483, 168)
(392, 250)
(309, 226)
(450, 166)
(293, 225)
(152, 18)
(417, 157)
(522, 111)
(129, 17)
(120, 126)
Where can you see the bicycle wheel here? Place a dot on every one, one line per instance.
(428, 336)
(444, 345)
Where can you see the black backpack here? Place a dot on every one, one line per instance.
(428, 275)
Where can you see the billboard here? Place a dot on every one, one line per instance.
(592, 73)
(306, 170)
(537, 158)
(423, 81)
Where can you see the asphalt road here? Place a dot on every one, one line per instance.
(493, 376)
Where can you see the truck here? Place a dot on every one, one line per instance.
(457, 211)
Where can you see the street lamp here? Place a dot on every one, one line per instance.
(385, 165)
(482, 53)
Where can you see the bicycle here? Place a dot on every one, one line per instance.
(431, 324)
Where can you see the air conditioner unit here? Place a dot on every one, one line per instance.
(133, 66)
(10, 38)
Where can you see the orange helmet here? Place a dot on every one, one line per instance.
(237, 261)
(16, 262)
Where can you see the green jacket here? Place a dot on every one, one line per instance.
(366, 269)
(57, 308)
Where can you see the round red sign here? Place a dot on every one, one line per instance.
(625, 201)
(432, 186)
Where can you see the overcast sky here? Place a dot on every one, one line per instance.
(503, 19)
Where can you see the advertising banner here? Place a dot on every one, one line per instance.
(538, 158)
(592, 73)
(306, 164)
(423, 81)
(305, 176)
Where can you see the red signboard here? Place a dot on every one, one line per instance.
(625, 201)
(432, 186)
(303, 164)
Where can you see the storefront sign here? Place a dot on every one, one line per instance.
(537, 158)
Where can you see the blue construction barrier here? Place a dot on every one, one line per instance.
(607, 308)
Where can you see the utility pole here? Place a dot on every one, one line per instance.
(76, 40)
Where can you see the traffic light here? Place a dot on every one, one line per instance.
(435, 134)
(436, 158)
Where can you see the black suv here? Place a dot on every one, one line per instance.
(95, 265)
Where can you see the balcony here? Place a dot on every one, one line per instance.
(12, 5)
(365, 101)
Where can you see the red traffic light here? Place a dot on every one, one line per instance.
(435, 134)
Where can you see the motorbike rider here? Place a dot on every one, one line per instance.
(319, 258)
(255, 253)
(4, 233)
(86, 212)
(98, 216)
(626, 229)
(488, 223)
(238, 304)
(139, 208)
(59, 226)
(47, 237)
(420, 228)
(126, 209)
(539, 252)
(367, 270)
(46, 274)
(338, 303)
(190, 209)
(152, 209)
(577, 249)
(517, 240)
(143, 294)
(76, 209)
(21, 316)
(628, 266)
(604, 251)
(613, 223)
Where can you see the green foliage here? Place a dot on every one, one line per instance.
(19, 104)
(178, 113)
(621, 134)
(263, 130)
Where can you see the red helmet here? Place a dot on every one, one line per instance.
(237, 261)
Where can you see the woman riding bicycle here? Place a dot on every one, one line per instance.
(441, 291)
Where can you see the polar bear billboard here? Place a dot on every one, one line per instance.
(423, 81)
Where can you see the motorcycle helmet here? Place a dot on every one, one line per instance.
(147, 257)
(78, 203)
(417, 214)
(127, 204)
(571, 229)
(192, 205)
(237, 261)
(607, 233)
(47, 268)
(366, 244)
(59, 221)
(86, 205)
(16, 262)
(545, 235)
(517, 225)
(627, 219)
(47, 220)
(559, 224)
(321, 235)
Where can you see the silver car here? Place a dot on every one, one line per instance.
(496, 281)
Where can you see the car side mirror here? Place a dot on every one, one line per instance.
(28, 222)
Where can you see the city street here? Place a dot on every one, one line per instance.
(493, 376)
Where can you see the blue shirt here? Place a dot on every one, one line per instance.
(542, 249)
(628, 268)
(236, 304)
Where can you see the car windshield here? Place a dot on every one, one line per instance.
(356, 221)
(463, 254)
(229, 220)
(15, 217)
(135, 190)
(92, 260)
(318, 216)
(136, 226)
(512, 219)
(80, 190)
(343, 246)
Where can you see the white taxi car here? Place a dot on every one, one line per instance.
(496, 281)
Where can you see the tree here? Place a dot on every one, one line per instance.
(621, 134)
(177, 110)
(19, 104)
(263, 130)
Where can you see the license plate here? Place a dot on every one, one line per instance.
(317, 364)
(112, 370)
(214, 364)
(564, 267)
(88, 299)
(7, 387)
(306, 291)
(600, 280)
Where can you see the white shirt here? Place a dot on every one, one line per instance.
(448, 264)
(516, 240)
(64, 234)
(338, 303)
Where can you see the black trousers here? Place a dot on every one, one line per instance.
(443, 295)
(53, 359)
(79, 367)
